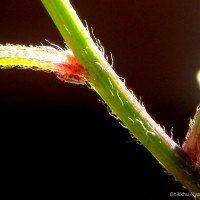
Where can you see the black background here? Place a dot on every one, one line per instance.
(58, 138)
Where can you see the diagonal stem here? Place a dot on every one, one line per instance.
(113, 91)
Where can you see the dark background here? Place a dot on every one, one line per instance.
(58, 138)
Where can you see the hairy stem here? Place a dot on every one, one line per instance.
(192, 144)
(113, 91)
(46, 58)
(106, 83)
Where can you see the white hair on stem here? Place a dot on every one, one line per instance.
(47, 58)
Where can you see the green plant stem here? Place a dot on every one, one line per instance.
(113, 91)
(47, 58)
(38, 58)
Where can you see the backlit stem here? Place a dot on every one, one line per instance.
(122, 103)
(46, 58)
